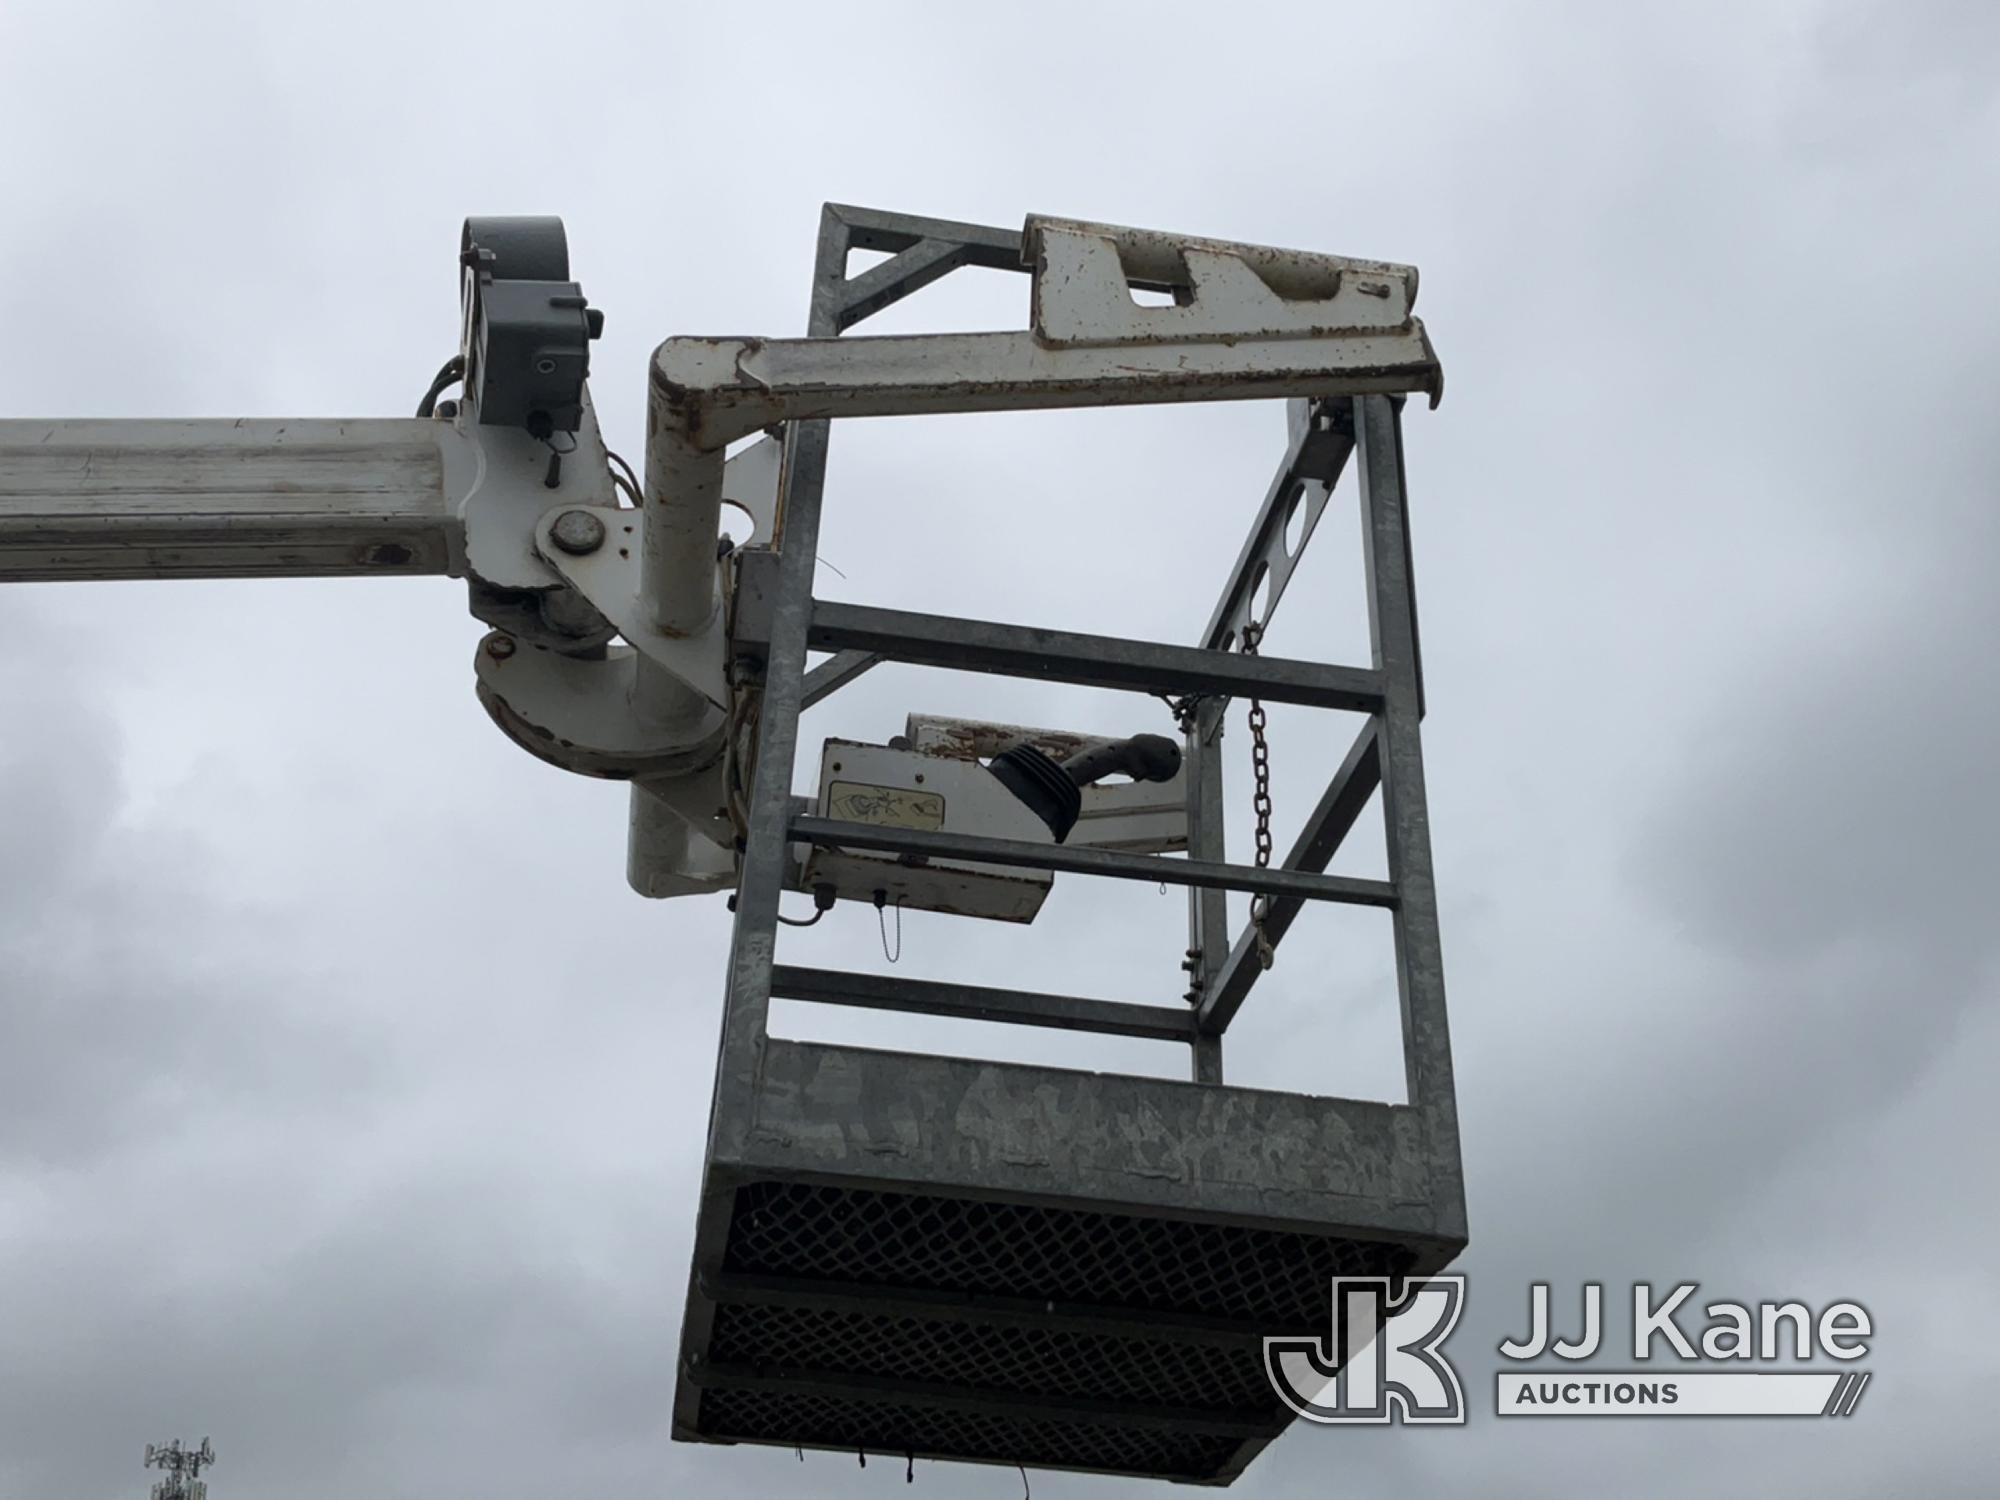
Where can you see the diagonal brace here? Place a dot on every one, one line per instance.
(1332, 818)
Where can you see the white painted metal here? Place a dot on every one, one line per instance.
(675, 615)
(863, 783)
(228, 499)
(609, 578)
(652, 711)
(577, 712)
(506, 493)
(723, 389)
(1156, 257)
(667, 856)
(1084, 274)
(750, 480)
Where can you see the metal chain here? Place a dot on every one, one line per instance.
(1260, 764)
(1184, 710)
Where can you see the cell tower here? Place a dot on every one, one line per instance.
(183, 1468)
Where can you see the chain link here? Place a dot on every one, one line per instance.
(1184, 711)
(1260, 765)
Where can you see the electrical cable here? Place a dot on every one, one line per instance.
(882, 922)
(631, 478)
(453, 370)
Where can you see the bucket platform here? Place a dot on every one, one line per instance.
(903, 1254)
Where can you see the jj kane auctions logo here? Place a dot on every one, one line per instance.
(1382, 1358)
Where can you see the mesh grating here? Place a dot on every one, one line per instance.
(1040, 1362)
(1271, 1280)
(767, 1416)
(1277, 1279)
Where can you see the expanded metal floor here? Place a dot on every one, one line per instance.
(1023, 1250)
(841, 1340)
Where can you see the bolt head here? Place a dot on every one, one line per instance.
(499, 646)
(577, 532)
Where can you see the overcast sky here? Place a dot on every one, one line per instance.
(350, 1104)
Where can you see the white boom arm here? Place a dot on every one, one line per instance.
(248, 499)
(512, 489)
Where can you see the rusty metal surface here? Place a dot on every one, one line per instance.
(1084, 275)
(979, 739)
(1156, 257)
(1140, 817)
(575, 712)
(712, 391)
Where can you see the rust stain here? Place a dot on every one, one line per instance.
(387, 555)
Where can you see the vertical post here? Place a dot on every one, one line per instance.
(1208, 911)
(1406, 818)
(767, 845)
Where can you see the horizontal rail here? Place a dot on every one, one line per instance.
(219, 498)
(716, 390)
(1328, 825)
(1019, 853)
(1165, 1023)
(1091, 660)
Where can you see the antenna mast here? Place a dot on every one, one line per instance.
(182, 1467)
